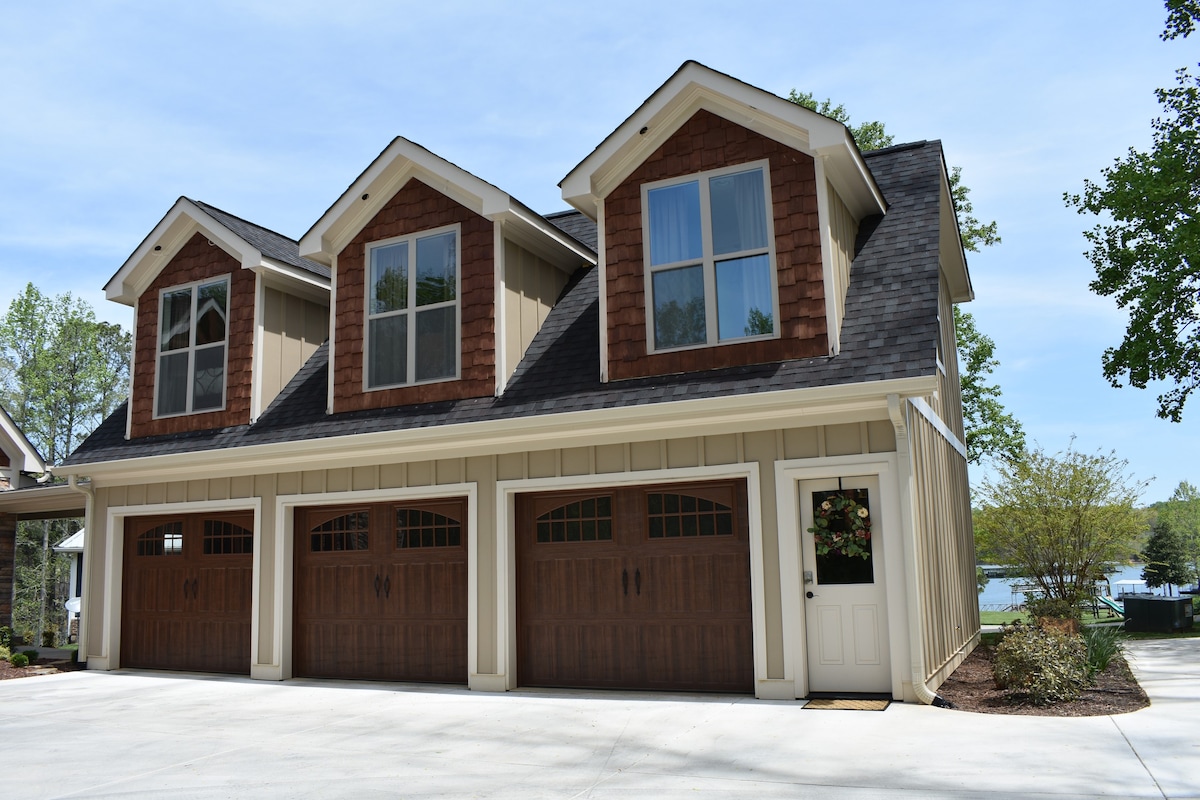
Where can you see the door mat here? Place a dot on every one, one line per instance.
(846, 704)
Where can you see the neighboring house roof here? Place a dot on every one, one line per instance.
(253, 246)
(71, 544)
(22, 455)
(576, 225)
(890, 332)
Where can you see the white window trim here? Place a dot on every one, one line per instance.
(411, 310)
(191, 348)
(708, 261)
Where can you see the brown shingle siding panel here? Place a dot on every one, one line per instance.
(707, 142)
(418, 207)
(195, 261)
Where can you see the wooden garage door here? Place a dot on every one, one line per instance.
(644, 587)
(186, 592)
(381, 592)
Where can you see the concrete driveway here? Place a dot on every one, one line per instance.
(95, 734)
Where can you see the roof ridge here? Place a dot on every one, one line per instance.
(211, 207)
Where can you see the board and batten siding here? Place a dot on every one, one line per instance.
(531, 288)
(948, 403)
(293, 328)
(843, 230)
(945, 553)
(618, 460)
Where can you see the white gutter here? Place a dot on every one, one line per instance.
(916, 649)
(652, 421)
(89, 502)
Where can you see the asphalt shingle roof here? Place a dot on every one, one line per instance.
(889, 331)
(271, 244)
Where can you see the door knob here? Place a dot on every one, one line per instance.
(808, 595)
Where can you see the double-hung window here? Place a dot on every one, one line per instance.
(192, 348)
(412, 309)
(709, 255)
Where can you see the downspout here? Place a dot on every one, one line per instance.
(89, 502)
(916, 649)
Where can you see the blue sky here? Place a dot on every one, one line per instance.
(111, 110)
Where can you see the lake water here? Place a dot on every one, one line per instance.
(999, 590)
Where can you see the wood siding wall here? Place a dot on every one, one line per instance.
(617, 460)
(416, 207)
(843, 230)
(707, 142)
(531, 288)
(945, 550)
(949, 400)
(8, 552)
(196, 260)
(293, 328)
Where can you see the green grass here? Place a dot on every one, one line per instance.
(1002, 617)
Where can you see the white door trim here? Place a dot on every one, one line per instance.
(788, 474)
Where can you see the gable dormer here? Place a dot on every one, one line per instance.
(225, 312)
(727, 221)
(19, 459)
(440, 280)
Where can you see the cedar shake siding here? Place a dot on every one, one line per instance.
(416, 208)
(708, 142)
(196, 260)
(8, 544)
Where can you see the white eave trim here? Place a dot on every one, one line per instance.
(694, 87)
(171, 233)
(727, 414)
(22, 455)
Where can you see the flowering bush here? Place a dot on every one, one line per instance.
(842, 525)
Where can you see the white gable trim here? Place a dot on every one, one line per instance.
(694, 87)
(172, 232)
(22, 455)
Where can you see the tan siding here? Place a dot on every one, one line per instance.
(949, 383)
(945, 551)
(293, 328)
(531, 287)
(843, 440)
(843, 230)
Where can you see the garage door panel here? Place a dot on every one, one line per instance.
(664, 604)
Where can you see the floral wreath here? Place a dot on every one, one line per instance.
(850, 538)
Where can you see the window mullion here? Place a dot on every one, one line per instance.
(410, 373)
(708, 265)
(191, 371)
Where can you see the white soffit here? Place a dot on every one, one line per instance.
(22, 455)
(694, 87)
(401, 161)
(172, 232)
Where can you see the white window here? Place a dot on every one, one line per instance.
(710, 256)
(192, 345)
(412, 309)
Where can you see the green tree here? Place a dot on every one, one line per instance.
(1165, 557)
(61, 372)
(1147, 254)
(1062, 518)
(1182, 513)
(990, 430)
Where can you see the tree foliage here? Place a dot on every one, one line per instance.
(1165, 557)
(1063, 518)
(61, 372)
(990, 430)
(1182, 514)
(1147, 252)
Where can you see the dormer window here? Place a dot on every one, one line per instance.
(193, 334)
(710, 255)
(412, 309)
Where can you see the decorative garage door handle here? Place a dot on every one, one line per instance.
(625, 581)
(387, 587)
(378, 583)
(185, 588)
(637, 581)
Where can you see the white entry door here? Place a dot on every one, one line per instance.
(844, 596)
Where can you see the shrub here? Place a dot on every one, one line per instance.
(1102, 644)
(19, 660)
(1052, 607)
(6, 634)
(4, 653)
(1045, 665)
(32, 655)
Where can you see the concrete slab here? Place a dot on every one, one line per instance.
(98, 734)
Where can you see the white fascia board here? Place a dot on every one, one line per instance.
(951, 253)
(709, 416)
(49, 502)
(391, 169)
(169, 236)
(534, 233)
(22, 455)
(694, 87)
(293, 280)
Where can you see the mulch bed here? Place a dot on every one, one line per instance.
(35, 668)
(972, 688)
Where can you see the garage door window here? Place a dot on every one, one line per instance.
(164, 540)
(345, 532)
(418, 528)
(225, 538)
(675, 515)
(587, 520)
